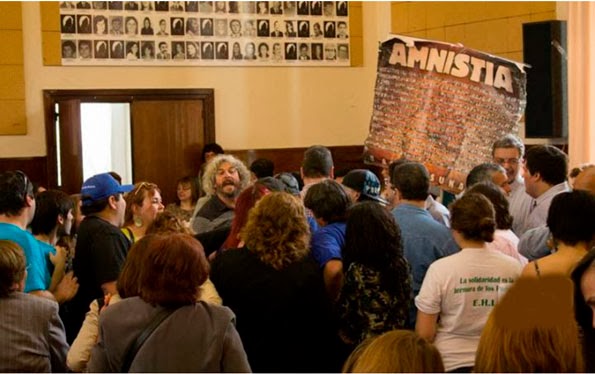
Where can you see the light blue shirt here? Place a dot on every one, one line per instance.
(36, 263)
(424, 241)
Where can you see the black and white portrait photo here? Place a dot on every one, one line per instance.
(116, 27)
(116, 49)
(207, 51)
(101, 49)
(303, 8)
(304, 29)
(206, 26)
(67, 24)
(191, 6)
(68, 49)
(289, 8)
(115, 5)
(85, 49)
(222, 51)
(162, 6)
(342, 9)
(329, 29)
(263, 28)
(192, 26)
(214, 33)
(316, 8)
(220, 27)
(83, 24)
(290, 51)
(177, 26)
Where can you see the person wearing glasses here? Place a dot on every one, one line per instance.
(508, 152)
(101, 246)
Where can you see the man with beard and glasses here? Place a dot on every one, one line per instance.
(224, 178)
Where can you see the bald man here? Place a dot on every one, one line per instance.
(533, 244)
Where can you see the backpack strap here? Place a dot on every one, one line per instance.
(143, 336)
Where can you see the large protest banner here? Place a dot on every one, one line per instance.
(442, 105)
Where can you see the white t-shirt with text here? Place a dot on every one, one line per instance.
(463, 289)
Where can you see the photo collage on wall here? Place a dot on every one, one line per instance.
(216, 33)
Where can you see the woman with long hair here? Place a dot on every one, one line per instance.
(532, 330)
(277, 291)
(459, 291)
(143, 204)
(376, 294)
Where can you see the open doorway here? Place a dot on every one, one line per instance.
(106, 139)
(143, 135)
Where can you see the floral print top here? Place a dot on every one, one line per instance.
(366, 309)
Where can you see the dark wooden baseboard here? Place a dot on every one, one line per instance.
(34, 167)
(290, 159)
(285, 159)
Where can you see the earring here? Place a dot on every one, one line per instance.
(138, 222)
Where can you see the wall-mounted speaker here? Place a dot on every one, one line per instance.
(544, 49)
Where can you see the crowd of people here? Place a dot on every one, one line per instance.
(304, 271)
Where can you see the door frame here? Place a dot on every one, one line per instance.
(51, 97)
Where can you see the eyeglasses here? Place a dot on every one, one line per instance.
(509, 161)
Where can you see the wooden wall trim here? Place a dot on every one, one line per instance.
(34, 167)
(285, 159)
(290, 159)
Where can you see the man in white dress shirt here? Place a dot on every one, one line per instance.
(508, 152)
(545, 171)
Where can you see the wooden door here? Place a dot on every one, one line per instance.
(169, 129)
(70, 152)
(167, 139)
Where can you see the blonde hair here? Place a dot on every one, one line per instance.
(277, 230)
(397, 351)
(532, 329)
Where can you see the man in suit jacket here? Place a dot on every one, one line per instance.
(32, 337)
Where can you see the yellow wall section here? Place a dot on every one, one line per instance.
(493, 27)
(12, 81)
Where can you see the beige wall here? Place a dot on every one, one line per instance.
(254, 107)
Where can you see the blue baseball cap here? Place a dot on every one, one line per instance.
(102, 186)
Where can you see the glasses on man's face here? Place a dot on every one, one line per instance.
(509, 161)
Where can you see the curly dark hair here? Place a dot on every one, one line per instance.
(373, 239)
(277, 230)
